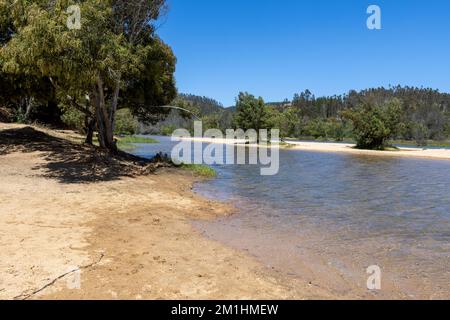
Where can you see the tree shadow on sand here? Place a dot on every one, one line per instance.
(70, 162)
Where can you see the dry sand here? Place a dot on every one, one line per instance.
(66, 212)
(349, 148)
(434, 153)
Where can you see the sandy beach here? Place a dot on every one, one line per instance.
(75, 224)
(125, 236)
(350, 148)
(434, 153)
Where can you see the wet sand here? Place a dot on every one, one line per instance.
(126, 236)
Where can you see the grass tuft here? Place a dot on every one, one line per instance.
(200, 170)
(128, 142)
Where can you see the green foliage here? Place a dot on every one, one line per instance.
(316, 128)
(126, 124)
(115, 65)
(424, 110)
(447, 127)
(336, 129)
(251, 113)
(186, 109)
(129, 142)
(211, 121)
(286, 120)
(26, 96)
(20, 116)
(420, 133)
(204, 105)
(73, 119)
(374, 124)
(153, 83)
(200, 170)
(136, 139)
(289, 122)
(326, 129)
(168, 130)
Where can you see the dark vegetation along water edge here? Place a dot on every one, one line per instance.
(129, 142)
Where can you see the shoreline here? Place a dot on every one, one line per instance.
(127, 237)
(435, 153)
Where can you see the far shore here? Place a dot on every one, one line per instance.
(435, 153)
(350, 148)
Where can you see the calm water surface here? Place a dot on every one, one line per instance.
(326, 217)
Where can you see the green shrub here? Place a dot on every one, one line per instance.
(126, 124)
(168, 130)
(374, 124)
(73, 118)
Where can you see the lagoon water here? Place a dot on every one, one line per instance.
(326, 217)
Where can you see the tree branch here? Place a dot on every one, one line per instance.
(79, 107)
(26, 297)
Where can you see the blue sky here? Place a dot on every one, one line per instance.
(275, 48)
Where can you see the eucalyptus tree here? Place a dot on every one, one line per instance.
(374, 124)
(115, 50)
(251, 112)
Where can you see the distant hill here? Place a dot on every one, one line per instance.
(206, 106)
(425, 113)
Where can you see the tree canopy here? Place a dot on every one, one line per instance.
(251, 112)
(374, 124)
(114, 60)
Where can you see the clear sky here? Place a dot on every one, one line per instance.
(275, 48)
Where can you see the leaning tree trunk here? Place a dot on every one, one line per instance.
(115, 102)
(90, 127)
(104, 123)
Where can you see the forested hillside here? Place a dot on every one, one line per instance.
(424, 114)
(205, 105)
(210, 111)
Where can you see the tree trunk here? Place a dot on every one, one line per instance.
(29, 105)
(90, 126)
(104, 125)
(115, 102)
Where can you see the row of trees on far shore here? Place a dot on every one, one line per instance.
(371, 117)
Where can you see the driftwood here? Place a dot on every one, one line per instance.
(159, 161)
